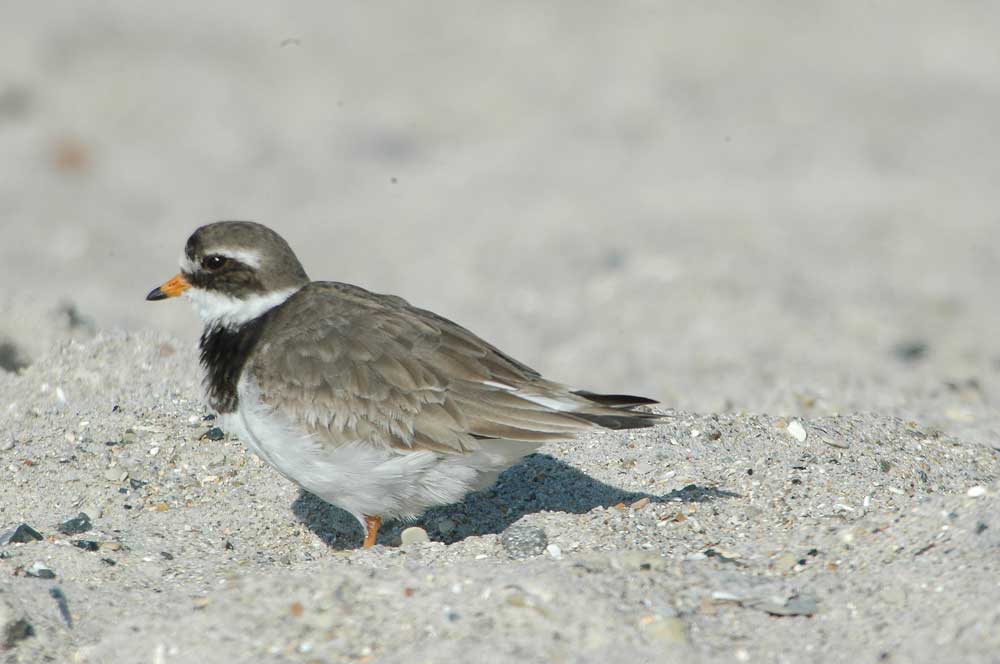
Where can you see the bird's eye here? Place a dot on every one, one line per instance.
(213, 262)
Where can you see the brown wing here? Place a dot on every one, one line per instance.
(347, 364)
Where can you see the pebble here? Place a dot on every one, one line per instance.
(87, 545)
(413, 535)
(445, 526)
(639, 504)
(554, 551)
(40, 570)
(523, 541)
(796, 431)
(79, 524)
(976, 492)
(14, 625)
(20, 534)
(215, 433)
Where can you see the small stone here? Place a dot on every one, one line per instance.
(554, 550)
(523, 541)
(413, 535)
(445, 526)
(639, 504)
(39, 570)
(78, 524)
(87, 545)
(215, 433)
(14, 625)
(796, 431)
(112, 474)
(976, 492)
(21, 533)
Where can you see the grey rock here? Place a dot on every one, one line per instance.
(524, 541)
(215, 433)
(40, 570)
(78, 524)
(20, 534)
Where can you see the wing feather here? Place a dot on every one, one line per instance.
(346, 365)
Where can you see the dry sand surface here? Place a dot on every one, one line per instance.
(778, 218)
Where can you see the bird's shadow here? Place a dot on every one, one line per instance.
(539, 483)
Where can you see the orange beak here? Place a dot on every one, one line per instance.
(172, 288)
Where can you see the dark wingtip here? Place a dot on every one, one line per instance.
(628, 420)
(156, 294)
(616, 400)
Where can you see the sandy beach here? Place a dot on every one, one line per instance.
(780, 221)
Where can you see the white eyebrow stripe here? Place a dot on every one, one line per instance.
(248, 257)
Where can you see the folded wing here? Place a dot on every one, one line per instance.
(348, 365)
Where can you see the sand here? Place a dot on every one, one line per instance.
(779, 221)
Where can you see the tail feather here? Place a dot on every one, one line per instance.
(616, 411)
(627, 420)
(615, 400)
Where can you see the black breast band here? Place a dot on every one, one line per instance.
(224, 353)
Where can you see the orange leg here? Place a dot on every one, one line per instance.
(372, 524)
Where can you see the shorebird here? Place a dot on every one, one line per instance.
(374, 405)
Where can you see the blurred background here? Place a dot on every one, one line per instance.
(766, 206)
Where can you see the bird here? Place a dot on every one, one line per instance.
(374, 405)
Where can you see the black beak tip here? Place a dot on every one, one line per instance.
(156, 294)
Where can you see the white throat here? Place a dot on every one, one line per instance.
(218, 310)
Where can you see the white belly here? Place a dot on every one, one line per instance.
(361, 478)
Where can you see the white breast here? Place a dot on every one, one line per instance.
(361, 478)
